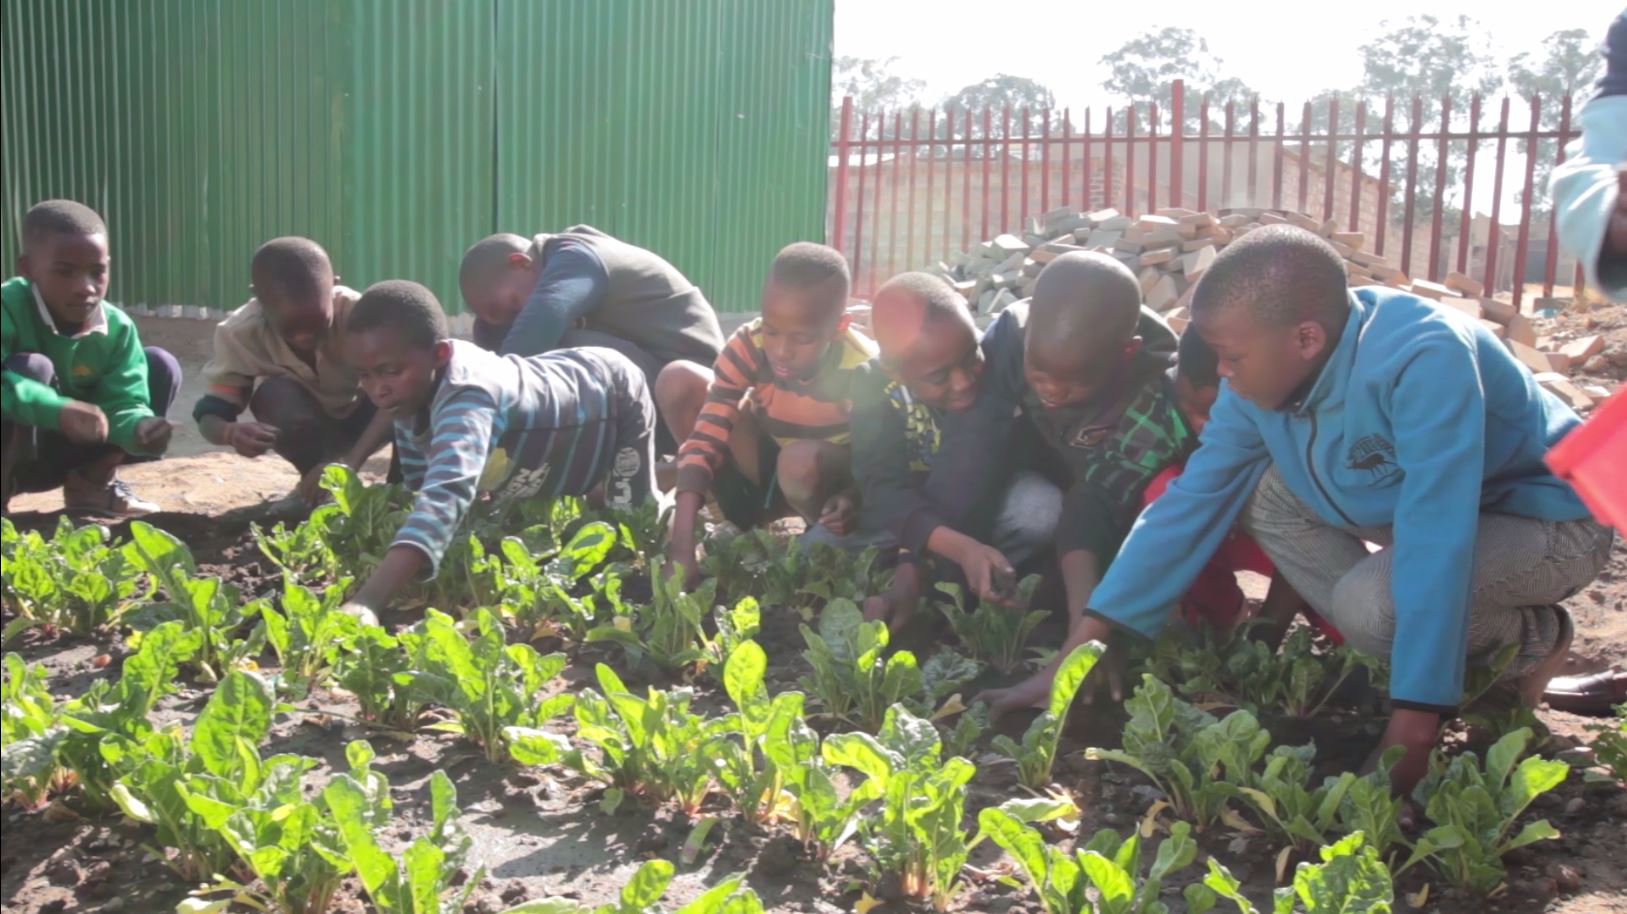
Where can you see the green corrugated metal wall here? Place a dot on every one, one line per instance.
(199, 128)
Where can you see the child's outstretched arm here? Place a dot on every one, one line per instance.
(460, 442)
(707, 447)
(572, 285)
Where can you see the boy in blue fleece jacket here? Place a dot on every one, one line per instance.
(1590, 187)
(1367, 415)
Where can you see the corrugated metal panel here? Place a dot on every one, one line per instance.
(200, 128)
(696, 129)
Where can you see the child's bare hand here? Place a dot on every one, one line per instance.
(1615, 236)
(153, 434)
(989, 574)
(309, 489)
(82, 423)
(840, 514)
(251, 439)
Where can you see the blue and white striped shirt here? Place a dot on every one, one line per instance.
(551, 425)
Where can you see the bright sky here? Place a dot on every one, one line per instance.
(1288, 50)
(1285, 50)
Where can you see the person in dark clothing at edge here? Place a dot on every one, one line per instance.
(1360, 416)
(582, 287)
(924, 382)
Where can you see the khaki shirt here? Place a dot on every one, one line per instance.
(247, 350)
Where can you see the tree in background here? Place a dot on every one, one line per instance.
(1023, 95)
(1143, 69)
(1568, 66)
(874, 84)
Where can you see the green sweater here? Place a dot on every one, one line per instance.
(103, 365)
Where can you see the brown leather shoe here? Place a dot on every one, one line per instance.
(1594, 693)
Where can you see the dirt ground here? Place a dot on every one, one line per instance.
(541, 832)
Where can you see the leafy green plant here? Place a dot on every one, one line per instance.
(993, 633)
(642, 530)
(307, 634)
(77, 580)
(1197, 761)
(747, 773)
(824, 816)
(377, 668)
(652, 747)
(849, 675)
(740, 564)
(361, 521)
(669, 633)
(488, 684)
(1610, 744)
(421, 880)
(1351, 879)
(301, 551)
(208, 607)
(287, 835)
(31, 726)
(1037, 752)
(1293, 679)
(219, 764)
(1474, 809)
(540, 588)
(58, 744)
(1371, 807)
(736, 625)
(642, 895)
(916, 833)
(1302, 816)
(1108, 863)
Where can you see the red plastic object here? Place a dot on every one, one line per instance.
(1593, 459)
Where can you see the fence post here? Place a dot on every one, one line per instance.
(839, 229)
(1525, 201)
(1177, 141)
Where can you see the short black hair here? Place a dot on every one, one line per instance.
(1084, 294)
(485, 256)
(292, 264)
(1196, 361)
(935, 294)
(403, 305)
(1282, 274)
(805, 264)
(61, 217)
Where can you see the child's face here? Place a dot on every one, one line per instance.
(302, 318)
(1062, 376)
(1194, 402)
(1264, 363)
(943, 367)
(799, 326)
(70, 272)
(397, 376)
(498, 299)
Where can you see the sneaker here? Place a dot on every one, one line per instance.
(111, 500)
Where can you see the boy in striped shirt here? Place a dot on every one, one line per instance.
(471, 422)
(766, 430)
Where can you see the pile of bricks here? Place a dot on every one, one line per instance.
(1170, 249)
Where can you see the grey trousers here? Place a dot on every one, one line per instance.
(1521, 566)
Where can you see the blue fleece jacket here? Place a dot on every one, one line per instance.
(1421, 419)
(1585, 185)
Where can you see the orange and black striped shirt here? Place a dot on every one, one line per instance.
(786, 410)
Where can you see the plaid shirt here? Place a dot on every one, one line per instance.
(1112, 446)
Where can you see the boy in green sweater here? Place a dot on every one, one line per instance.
(80, 394)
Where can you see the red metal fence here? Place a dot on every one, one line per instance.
(914, 187)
